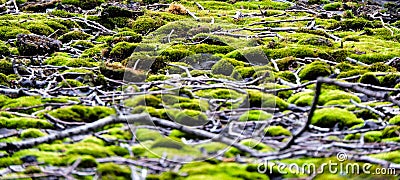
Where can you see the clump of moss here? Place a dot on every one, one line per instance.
(144, 24)
(370, 136)
(70, 83)
(85, 4)
(286, 63)
(82, 45)
(123, 50)
(329, 117)
(225, 66)
(333, 6)
(25, 101)
(23, 123)
(191, 118)
(255, 115)
(167, 143)
(381, 67)
(317, 41)
(144, 100)
(38, 28)
(32, 133)
(113, 171)
(390, 80)
(32, 170)
(6, 67)
(395, 120)
(314, 70)
(147, 134)
(331, 95)
(92, 139)
(73, 35)
(391, 132)
(218, 94)
(86, 161)
(146, 109)
(276, 131)
(259, 99)
(82, 113)
(369, 78)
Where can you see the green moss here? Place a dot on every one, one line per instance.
(212, 147)
(255, 115)
(333, 6)
(26, 101)
(286, 63)
(393, 156)
(218, 93)
(391, 131)
(259, 99)
(146, 109)
(123, 50)
(6, 67)
(329, 117)
(82, 45)
(94, 140)
(70, 83)
(352, 73)
(113, 171)
(32, 170)
(390, 80)
(158, 77)
(354, 24)
(94, 51)
(281, 94)
(191, 118)
(225, 66)
(38, 28)
(331, 95)
(144, 100)
(82, 113)
(8, 161)
(369, 78)
(118, 150)
(147, 134)
(85, 4)
(317, 41)
(23, 123)
(395, 120)
(381, 67)
(86, 161)
(74, 35)
(32, 133)
(314, 70)
(198, 105)
(373, 136)
(84, 148)
(144, 25)
(167, 143)
(276, 131)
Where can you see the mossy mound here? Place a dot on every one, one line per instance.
(82, 113)
(329, 117)
(86, 161)
(259, 99)
(144, 100)
(146, 109)
(369, 78)
(314, 70)
(276, 131)
(218, 93)
(191, 118)
(74, 35)
(32, 133)
(395, 120)
(370, 136)
(327, 98)
(147, 134)
(255, 115)
(225, 66)
(113, 171)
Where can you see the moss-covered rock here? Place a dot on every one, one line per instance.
(395, 120)
(314, 70)
(329, 117)
(144, 25)
(123, 50)
(225, 66)
(369, 78)
(259, 99)
(191, 118)
(255, 115)
(32, 133)
(276, 131)
(86, 161)
(144, 100)
(74, 35)
(146, 109)
(147, 134)
(390, 80)
(113, 171)
(82, 113)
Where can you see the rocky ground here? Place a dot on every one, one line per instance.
(151, 89)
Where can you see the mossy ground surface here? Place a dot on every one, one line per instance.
(136, 65)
